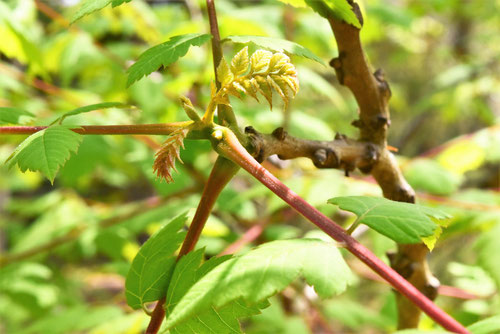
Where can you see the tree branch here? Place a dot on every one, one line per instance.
(372, 94)
(133, 129)
(230, 147)
(342, 152)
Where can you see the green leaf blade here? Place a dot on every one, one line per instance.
(402, 222)
(89, 108)
(275, 44)
(261, 273)
(46, 151)
(11, 115)
(88, 7)
(337, 9)
(151, 269)
(164, 54)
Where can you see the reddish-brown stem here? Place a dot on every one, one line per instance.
(250, 235)
(132, 129)
(222, 172)
(231, 148)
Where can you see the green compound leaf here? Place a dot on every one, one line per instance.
(151, 269)
(252, 278)
(275, 44)
(46, 151)
(164, 54)
(486, 326)
(10, 115)
(88, 108)
(222, 320)
(338, 9)
(90, 6)
(402, 222)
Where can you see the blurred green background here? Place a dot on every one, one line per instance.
(67, 247)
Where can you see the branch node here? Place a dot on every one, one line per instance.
(357, 123)
(382, 120)
(279, 133)
(383, 85)
(325, 158)
(370, 156)
(336, 63)
(356, 10)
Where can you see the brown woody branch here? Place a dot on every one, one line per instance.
(342, 152)
(372, 94)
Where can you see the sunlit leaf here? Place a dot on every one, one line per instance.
(338, 9)
(276, 44)
(224, 73)
(46, 151)
(88, 108)
(88, 7)
(402, 222)
(221, 320)
(10, 115)
(239, 63)
(164, 54)
(151, 269)
(486, 326)
(263, 272)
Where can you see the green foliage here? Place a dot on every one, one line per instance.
(402, 222)
(91, 6)
(275, 44)
(164, 54)
(261, 273)
(9, 115)
(337, 9)
(46, 151)
(487, 245)
(430, 176)
(88, 7)
(88, 108)
(150, 272)
(261, 73)
(218, 320)
(486, 326)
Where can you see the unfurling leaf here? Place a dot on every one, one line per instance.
(223, 73)
(239, 64)
(265, 72)
(169, 152)
(189, 108)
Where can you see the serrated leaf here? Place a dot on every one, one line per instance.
(11, 115)
(88, 108)
(224, 73)
(277, 45)
(239, 63)
(260, 60)
(283, 93)
(261, 273)
(46, 151)
(486, 326)
(164, 54)
(152, 268)
(224, 320)
(337, 9)
(265, 89)
(402, 222)
(88, 7)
